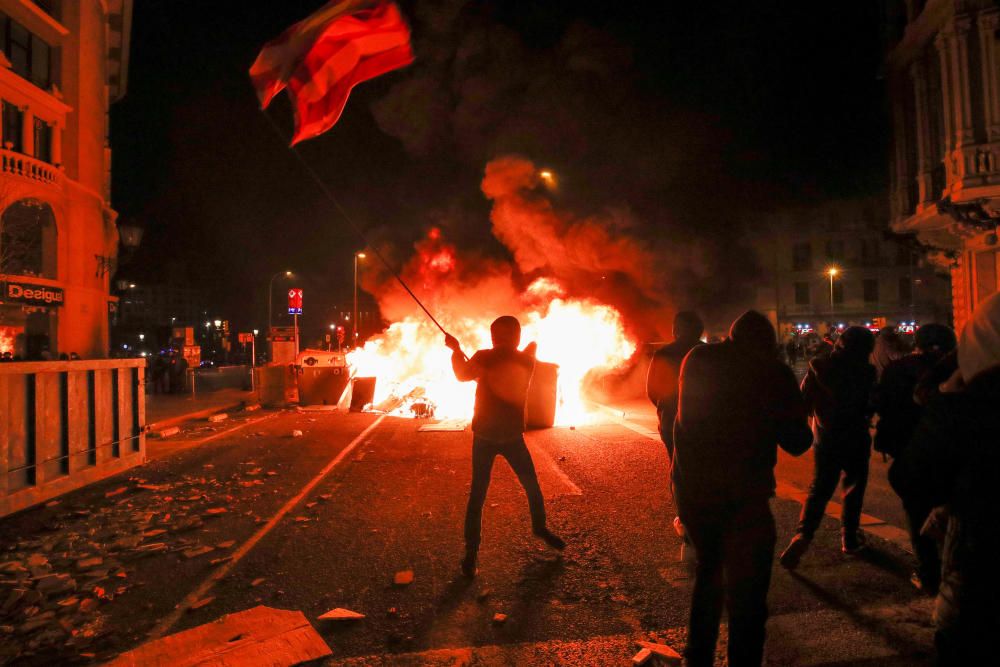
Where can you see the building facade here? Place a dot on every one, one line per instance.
(62, 63)
(943, 72)
(835, 265)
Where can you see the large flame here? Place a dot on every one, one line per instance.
(412, 365)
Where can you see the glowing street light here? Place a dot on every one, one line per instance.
(218, 323)
(357, 256)
(833, 272)
(548, 177)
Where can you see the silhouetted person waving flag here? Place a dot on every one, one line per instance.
(737, 404)
(503, 375)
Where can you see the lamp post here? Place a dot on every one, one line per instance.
(832, 272)
(270, 296)
(357, 256)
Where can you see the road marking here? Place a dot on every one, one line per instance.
(198, 593)
(540, 453)
(202, 441)
(786, 491)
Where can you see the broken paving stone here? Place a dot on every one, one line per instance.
(154, 532)
(214, 511)
(403, 578)
(258, 581)
(340, 614)
(296, 434)
(219, 561)
(325, 496)
(302, 519)
(225, 545)
(37, 560)
(88, 605)
(54, 584)
(198, 551)
(117, 492)
(69, 603)
(89, 563)
(149, 549)
(642, 657)
(201, 603)
(662, 651)
(218, 417)
(251, 408)
(499, 619)
(310, 505)
(271, 473)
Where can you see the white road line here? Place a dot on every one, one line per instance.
(539, 453)
(194, 443)
(198, 593)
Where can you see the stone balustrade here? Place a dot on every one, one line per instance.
(18, 164)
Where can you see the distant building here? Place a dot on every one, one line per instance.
(943, 70)
(153, 311)
(875, 277)
(61, 65)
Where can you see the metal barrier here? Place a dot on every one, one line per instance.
(214, 378)
(65, 424)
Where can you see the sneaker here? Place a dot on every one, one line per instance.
(469, 564)
(923, 585)
(793, 553)
(551, 539)
(852, 543)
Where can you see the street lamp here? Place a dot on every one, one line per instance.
(832, 272)
(548, 178)
(357, 256)
(270, 295)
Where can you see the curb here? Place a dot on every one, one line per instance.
(196, 414)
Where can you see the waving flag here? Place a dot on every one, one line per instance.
(321, 58)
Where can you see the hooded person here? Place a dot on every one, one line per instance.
(737, 404)
(838, 394)
(888, 348)
(899, 413)
(503, 375)
(954, 460)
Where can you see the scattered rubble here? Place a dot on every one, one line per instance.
(340, 614)
(499, 619)
(218, 417)
(296, 433)
(403, 578)
(663, 651)
(164, 433)
(642, 657)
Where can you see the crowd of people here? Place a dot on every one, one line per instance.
(726, 407)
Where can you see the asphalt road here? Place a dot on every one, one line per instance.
(326, 519)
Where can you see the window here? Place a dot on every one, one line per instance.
(802, 256)
(13, 127)
(838, 292)
(905, 290)
(871, 290)
(835, 249)
(29, 56)
(903, 255)
(27, 239)
(801, 294)
(43, 141)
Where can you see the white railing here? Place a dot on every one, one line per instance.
(18, 164)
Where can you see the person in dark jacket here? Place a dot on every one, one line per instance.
(954, 459)
(838, 394)
(665, 370)
(737, 404)
(503, 375)
(899, 413)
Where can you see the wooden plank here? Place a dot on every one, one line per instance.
(21, 367)
(104, 420)
(17, 436)
(139, 411)
(124, 410)
(78, 419)
(48, 427)
(258, 636)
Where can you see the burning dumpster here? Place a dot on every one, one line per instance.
(323, 377)
(540, 411)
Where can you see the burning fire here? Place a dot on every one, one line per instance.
(7, 335)
(412, 365)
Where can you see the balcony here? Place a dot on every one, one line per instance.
(17, 164)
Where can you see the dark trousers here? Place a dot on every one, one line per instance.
(831, 457)
(517, 455)
(735, 549)
(924, 548)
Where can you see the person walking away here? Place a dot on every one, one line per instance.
(899, 413)
(503, 375)
(662, 388)
(954, 459)
(738, 403)
(888, 348)
(838, 392)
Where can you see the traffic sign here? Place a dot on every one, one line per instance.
(295, 301)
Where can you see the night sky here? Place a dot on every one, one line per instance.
(698, 118)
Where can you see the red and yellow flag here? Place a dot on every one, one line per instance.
(321, 58)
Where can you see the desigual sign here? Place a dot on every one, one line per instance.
(33, 294)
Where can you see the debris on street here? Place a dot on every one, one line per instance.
(340, 614)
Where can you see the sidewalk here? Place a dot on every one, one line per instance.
(164, 410)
